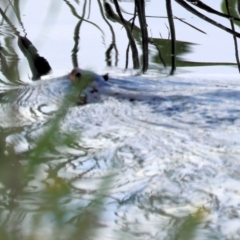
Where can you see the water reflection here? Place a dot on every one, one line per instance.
(39, 65)
(160, 53)
(117, 168)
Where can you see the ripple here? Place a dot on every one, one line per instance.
(167, 158)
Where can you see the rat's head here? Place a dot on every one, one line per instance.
(83, 78)
(75, 75)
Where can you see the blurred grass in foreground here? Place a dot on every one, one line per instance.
(57, 189)
(49, 204)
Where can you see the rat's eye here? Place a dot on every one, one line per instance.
(78, 75)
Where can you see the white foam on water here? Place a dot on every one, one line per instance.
(172, 152)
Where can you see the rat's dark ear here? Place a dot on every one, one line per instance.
(105, 76)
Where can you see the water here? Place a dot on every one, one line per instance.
(133, 169)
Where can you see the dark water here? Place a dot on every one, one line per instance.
(164, 166)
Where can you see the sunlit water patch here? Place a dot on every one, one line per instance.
(169, 153)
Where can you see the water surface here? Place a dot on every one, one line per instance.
(134, 169)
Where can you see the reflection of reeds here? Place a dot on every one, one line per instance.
(132, 25)
(238, 6)
(113, 43)
(16, 9)
(204, 17)
(132, 43)
(173, 37)
(38, 64)
(234, 37)
(9, 68)
(140, 34)
(76, 37)
(74, 12)
(136, 35)
(229, 15)
(234, 6)
(77, 29)
(140, 6)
